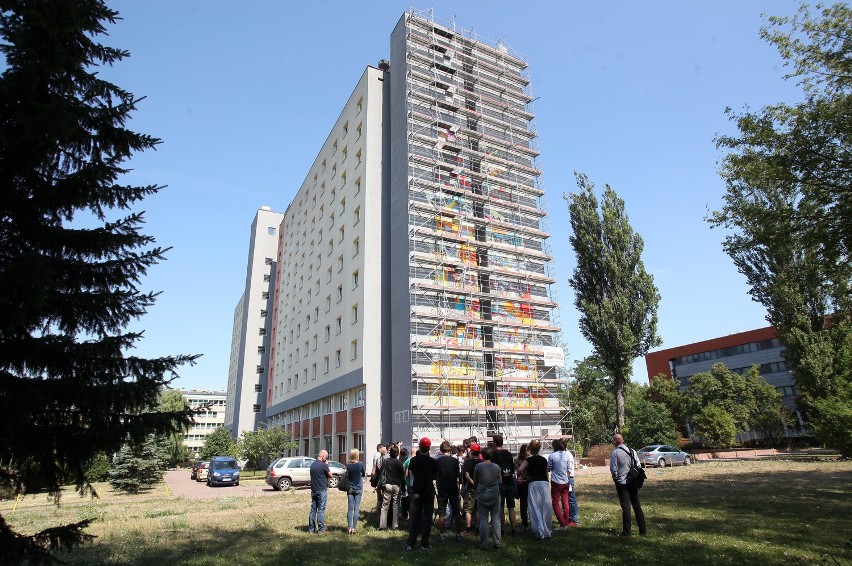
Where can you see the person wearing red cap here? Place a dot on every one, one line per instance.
(424, 470)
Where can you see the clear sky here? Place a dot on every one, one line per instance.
(243, 94)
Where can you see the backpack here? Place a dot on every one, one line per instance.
(635, 475)
(343, 481)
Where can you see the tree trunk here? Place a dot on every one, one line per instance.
(618, 386)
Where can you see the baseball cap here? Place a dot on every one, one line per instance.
(425, 442)
(474, 447)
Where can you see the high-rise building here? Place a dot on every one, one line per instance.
(413, 291)
(246, 400)
(210, 416)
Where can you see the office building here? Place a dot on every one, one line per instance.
(206, 420)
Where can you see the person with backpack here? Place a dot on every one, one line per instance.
(622, 465)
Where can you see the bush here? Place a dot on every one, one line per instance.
(98, 468)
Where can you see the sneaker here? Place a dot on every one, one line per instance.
(441, 537)
(561, 528)
(409, 548)
(573, 524)
(426, 547)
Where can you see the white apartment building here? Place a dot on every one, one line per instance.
(413, 286)
(207, 420)
(246, 399)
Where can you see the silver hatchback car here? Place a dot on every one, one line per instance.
(662, 455)
(284, 473)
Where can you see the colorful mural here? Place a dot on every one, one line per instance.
(511, 311)
(467, 393)
(453, 333)
(456, 278)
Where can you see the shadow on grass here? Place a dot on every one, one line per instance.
(729, 516)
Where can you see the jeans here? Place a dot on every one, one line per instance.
(318, 501)
(354, 509)
(574, 513)
(422, 508)
(628, 496)
(559, 499)
(489, 505)
(523, 494)
(391, 502)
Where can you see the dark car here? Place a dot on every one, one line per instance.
(194, 474)
(224, 470)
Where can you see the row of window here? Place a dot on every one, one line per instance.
(727, 352)
(293, 382)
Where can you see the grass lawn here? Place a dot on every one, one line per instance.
(713, 513)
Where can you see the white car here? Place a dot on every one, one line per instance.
(662, 455)
(284, 473)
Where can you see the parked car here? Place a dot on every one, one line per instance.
(662, 455)
(284, 473)
(224, 470)
(203, 471)
(195, 467)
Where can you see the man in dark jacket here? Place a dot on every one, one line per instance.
(424, 469)
(628, 494)
(320, 473)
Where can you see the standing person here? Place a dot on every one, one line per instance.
(394, 478)
(424, 468)
(448, 491)
(487, 478)
(628, 494)
(467, 490)
(574, 517)
(503, 458)
(560, 487)
(404, 502)
(356, 471)
(378, 458)
(320, 473)
(540, 508)
(523, 490)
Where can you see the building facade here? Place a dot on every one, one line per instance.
(246, 399)
(413, 292)
(739, 352)
(207, 420)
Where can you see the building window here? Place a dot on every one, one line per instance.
(358, 162)
(261, 331)
(353, 350)
(267, 278)
(260, 369)
(328, 303)
(345, 129)
(337, 359)
(264, 295)
(315, 341)
(261, 349)
(327, 333)
(339, 264)
(341, 234)
(357, 214)
(258, 387)
(326, 364)
(356, 247)
(358, 441)
(255, 408)
(355, 280)
(270, 230)
(358, 132)
(263, 313)
(360, 105)
(305, 375)
(314, 371)
(339, 293)
(267, 260)
(339, 327)
(342, 401)
(360, 397)
(328, 275)
(345, 153)
(354, 314)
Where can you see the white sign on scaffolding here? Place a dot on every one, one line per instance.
(554, 356)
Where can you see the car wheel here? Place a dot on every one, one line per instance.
(209, 483)
(332, 481)
(284, 484)
(686, 461)
(236, 484)
(661, 462)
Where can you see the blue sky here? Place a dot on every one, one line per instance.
(630, 93)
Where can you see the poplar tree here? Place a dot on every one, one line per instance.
(616, 297)
(71, 259)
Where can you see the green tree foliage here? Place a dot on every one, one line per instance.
(139, 465)
(648, 422)
(663, 390)
(788, 173)
(98, 469)
(71, 260)
(172, 400)
(219, 443)
(749, 401)
(616, 297)
(715, 427)
(589, 394)
(264, 444)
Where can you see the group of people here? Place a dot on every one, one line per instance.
(467, 482)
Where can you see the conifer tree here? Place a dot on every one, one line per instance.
(71, 259)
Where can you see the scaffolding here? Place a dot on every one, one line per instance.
(483, 311)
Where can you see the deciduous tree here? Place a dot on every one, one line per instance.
(616, 297)
(219, 443)
(788, 173)
(71, 260)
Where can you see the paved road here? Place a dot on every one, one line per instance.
(182, 486)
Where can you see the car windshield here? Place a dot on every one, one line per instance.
(648, 448)
(225, 465)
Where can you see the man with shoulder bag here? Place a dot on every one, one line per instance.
(621, 462)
